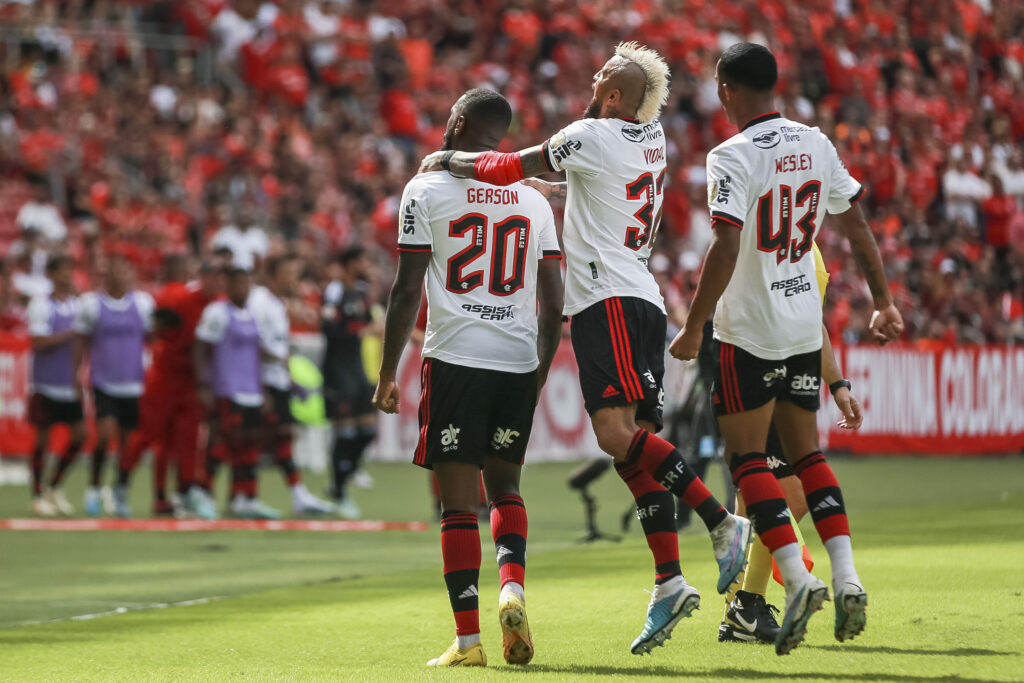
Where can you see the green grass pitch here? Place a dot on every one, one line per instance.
(939, 544)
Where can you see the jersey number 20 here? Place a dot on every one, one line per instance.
(770, 239)
(512, 233)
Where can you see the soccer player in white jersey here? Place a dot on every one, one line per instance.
(769, 188)
(494, 292)
(268, 308)
(614, 159)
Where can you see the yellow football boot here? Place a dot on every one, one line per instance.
(515, 630)
(453, 656)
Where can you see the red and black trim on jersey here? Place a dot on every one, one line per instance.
(761, 119)
(860, 193)
(551, 253)
(416, 248)
(728, 218)
(545, 150)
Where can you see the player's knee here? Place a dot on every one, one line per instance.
(613, 439)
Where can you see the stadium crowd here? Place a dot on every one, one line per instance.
(306, 118)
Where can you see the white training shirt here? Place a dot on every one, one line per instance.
(275, 331)
(616, 175)
(776, 179)
(485, 242)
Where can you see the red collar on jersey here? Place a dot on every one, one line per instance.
(761, 119)
(628, 119)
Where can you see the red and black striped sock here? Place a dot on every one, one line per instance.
(245, 461)
(460, 548)
(663, 461)
(766, 504)
(508, 529)
(656, 510)
(824, 498)
(283, 458)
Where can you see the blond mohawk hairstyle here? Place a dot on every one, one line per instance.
(656, 70)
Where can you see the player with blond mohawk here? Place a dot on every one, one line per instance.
(614, 160)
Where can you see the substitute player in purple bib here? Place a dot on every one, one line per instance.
(56, 394)
(491, 260)
(769, 189)
(112, 326)
(614, 161)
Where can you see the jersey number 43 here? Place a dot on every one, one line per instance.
(511, 234)
(772, 237)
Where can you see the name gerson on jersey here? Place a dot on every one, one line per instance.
(615, 171)
(485, 243)
(775, 180)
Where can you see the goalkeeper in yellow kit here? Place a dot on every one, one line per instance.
(748, 617)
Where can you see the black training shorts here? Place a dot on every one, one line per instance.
(124, 409)
(43, 411)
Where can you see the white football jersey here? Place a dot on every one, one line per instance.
(485, 242)
(616, 174)
(275, 330)
(776, 179)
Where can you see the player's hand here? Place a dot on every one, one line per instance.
(431, 162)
(886, 325)
(849, 406)
(542, 186)
(686, 345)
(385, 397)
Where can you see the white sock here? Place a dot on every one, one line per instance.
(514, 588)
(465, 642)
(840, 553)
(791, 563)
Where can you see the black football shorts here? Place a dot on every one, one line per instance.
(467, 414)
(620, 350)
(745, 382)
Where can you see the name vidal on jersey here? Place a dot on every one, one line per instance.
(654, 154)
(792, 286)
(491, 195)
(490, 312)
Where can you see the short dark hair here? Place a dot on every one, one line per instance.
(485, 107)
(749, 65)
(237, 271)
(351, 254)
(58, 261)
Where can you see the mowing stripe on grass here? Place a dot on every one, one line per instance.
(203, 525)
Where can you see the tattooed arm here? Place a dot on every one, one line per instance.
(463, 164)
(886, 323)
